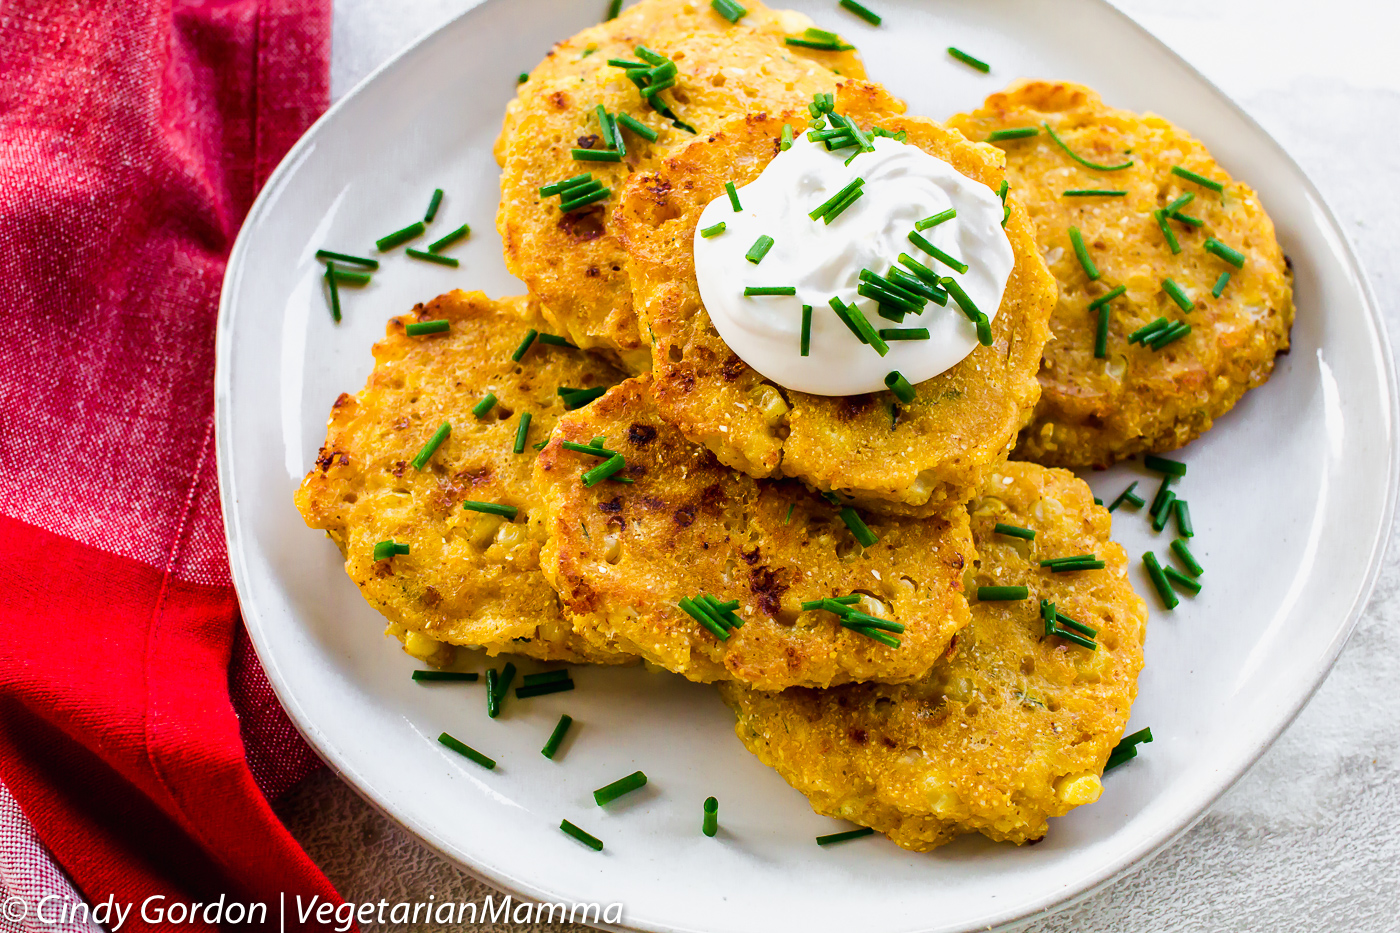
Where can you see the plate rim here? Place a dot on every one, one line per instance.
(1148, 848)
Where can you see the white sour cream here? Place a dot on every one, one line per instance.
(903, 184)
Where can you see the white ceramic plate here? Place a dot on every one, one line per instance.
(1290, 492)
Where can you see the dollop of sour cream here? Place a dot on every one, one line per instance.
(903, 184)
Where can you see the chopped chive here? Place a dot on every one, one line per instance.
(559, 187)
(346, 257)
(1002, 593)
(638, 127)
(1096, 166)
(525, 345)
(556, 341)
(762, 291)
(897, 277)
(1183, 519)
(1187, 559)
(729, 10)
(600, 452)
(1220, 284)
(1201, 180)
(1179, 202)
(539, 690)
(595, 155)
(1076, 638)
(963, 301)
(605, 129)
(399, 237)
(936, 219)
(614, 8)
(1148, 331)
(806, 341)
(904, 333)
(610, 792)
(492, 508)
(867, 333)
(788, 519)
(888, 641)
(522, 432)
(493, 706)
(820, 210)
(467, 751)
(824, 45)
(840, 206)
(920, 270)
(455, 676)
(1081, 251)
(853, 521)
(574, 199)
(383, 550)
(842, 837)
(760, 248)
(1159, 580)
(1163, 512)
(349, 276)
(442, 243)
(1101, 334)
(433, 206)
(936, 253)
(424, 328)
(1047, 617)
(1104, 299)
(1071, 566)
(433, 257)
(838, 600)
(900, 386)
(1177, 295)
(503, 682)
(863, 620)
(1129, 497)
(1186, 219)
(1181, 581)
(557, 736)
(588, 839)
(1231, 255)
(710, 825)
(701, 613)
(785, 141)
(984, 332)
(333, 290)
(434, 442)
(1064, 621)
(716, 230)
(1014, 531)
(844, 313)
(523, 77)
(1172, 243)
(577, 398)
(602, 471)
(1094, 193)
(733, 196)
(1164, 465)
(967, 59)
(483, 407)
(1020, 132)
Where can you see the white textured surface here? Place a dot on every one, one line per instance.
(1305, 841)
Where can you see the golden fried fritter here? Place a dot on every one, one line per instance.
(469, 578)
(962, 420)
(1095, 411)
(622, 555)
(573, 262)
(1013, 727)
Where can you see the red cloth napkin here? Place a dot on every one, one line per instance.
(133, 137)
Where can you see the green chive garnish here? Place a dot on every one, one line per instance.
(1183, 519)
(840, 206)
(556, 737)
(556, 341)
(1181, 581)
(525, 344)
(1020, 132)
(492, 508)
(523, 77)
(842, 837)
(610, 792)
(600, 452)
(936, 219)
(710, 826)
(595, 155)
(820, 210)
(424, 328)
(1080, 250)
(432, 257)
(434, 442)
(1015, 531)
(821, 603)
(1163, 489)
(763, 291)
(1096, 166)
(760, 248)
(785, 141)
(522, 432)
(823, 40)
(900, 386)
(989, 594)
(1128, 496)
(862, 532)
(333, 290)
(1231, 255)
(967, 59)
(1187, 559)
(577, 398)
(1104, 299)
(1201, 180)
(614, 8)
(559, 187)
(441, 244)
(594, 476)
(963, 301)
(936, 253)
(467, 751)
(346, 257)
(539, 690)
(1220, 284)
(733, 196)
(433, 206)
(1176, 294)
(456, 676)
(544, 677)
(1164, 465)
(716, 230)
(701, 613)
(904, 333)
(1076, 562)
(1159, 580)
(349, 276)
(729, 10)
(481, 408)
(582, 196)
(497, 686)
(1170, 335)
(1126, 750)
(588, 839)
(1172, 243)
(856, 320)
(864, 13)
(1163, 512)
(398, 237)
(1093, 193)
(638, 127)
(1187, 219)
(1101, 334)
(1148, 331)
(806, 344)
(383, 550)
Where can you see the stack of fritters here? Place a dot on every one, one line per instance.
(819, 558)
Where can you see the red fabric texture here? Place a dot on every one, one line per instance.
(133, 137)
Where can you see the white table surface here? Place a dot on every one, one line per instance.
(1307, 840)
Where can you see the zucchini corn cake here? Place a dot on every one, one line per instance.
(1183, 242)
(933, 450)
(1013, 726)
(625, 555)
(468, 577)
(571, 260)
